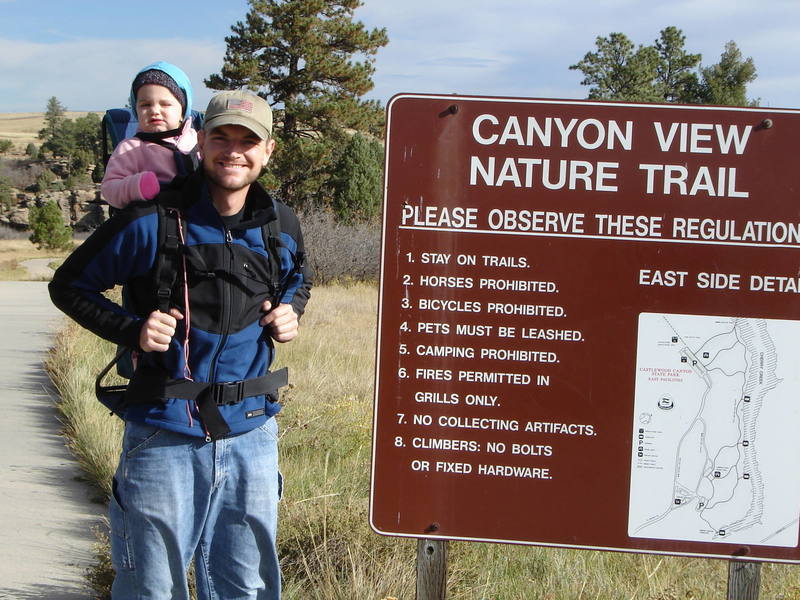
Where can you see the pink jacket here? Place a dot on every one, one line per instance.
(132, 158)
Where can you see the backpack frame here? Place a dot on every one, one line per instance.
(121, 123)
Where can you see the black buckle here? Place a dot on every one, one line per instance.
(228, 392)
(171, 242)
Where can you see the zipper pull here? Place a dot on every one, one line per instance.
(228, 236)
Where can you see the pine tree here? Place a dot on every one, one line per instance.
(53, 118)
(86, 148)
(302, 56)
(618, 71)
(675, 79)
(48, 227)
(6, 198)
(357, 180)
(78, 141)
(663, 72)
(726, 82)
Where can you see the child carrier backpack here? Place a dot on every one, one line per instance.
(121, 123)
(117, 125)
(172, 257)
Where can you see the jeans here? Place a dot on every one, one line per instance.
(176, 496)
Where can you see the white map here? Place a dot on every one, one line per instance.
(716, 431)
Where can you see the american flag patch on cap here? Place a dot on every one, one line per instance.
(243, 105)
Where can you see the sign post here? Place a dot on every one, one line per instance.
(588, 327)
(431, 569)
(744, 580)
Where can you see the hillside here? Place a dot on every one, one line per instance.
(23, 128)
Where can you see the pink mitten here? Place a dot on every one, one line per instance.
(148, 185)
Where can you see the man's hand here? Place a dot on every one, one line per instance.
(158, 330)
(282, 321)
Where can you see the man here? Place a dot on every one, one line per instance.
(198, 473)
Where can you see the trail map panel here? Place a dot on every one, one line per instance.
(715, 415)
(587, 326)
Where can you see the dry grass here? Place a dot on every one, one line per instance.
(14, 252)
(23, 128)
(327, 549)
(92, 434)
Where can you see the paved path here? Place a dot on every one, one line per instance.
(39, 268)
(46, 514)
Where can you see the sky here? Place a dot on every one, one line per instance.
(85, 52)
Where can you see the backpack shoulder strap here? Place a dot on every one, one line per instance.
(273, 227)
(271, 232)
(273, 242)
(171, 204)
(190, 162)
(168, 258)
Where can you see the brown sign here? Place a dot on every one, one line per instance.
(588, 326)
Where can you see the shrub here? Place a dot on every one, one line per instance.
(32, 151)
(44, 181)
(98, 172)
(21, 174)
(73, 181)
(81, 166)
(48, 227)
(340, 252)
(6, 146)
(357, 180)
(6, 199)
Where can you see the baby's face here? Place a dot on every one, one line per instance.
(157, 109)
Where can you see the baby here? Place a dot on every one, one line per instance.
(161, 95)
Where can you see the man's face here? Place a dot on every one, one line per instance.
(233, 156)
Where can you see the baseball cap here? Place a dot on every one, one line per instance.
(239, 107)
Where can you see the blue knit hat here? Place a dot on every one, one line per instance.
(168, 76)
